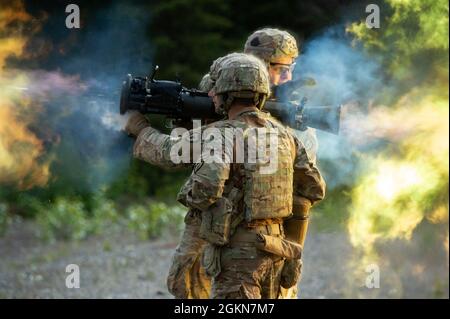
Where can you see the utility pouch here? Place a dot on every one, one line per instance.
(216, 222)
(211, 260)
(279, 246)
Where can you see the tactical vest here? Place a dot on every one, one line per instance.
(267, 186)
(254, 193)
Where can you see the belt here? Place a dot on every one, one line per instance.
(244, 233)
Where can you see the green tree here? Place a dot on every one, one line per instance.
(188, 35)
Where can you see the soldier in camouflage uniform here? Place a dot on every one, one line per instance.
(256, 204)
(233, 199)
(278, 49)
(187, 278)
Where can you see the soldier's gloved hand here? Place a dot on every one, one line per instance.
(136, 123)
(291, 273)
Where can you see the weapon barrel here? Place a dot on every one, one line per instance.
(170, 99)
(197, 105)
(324, 118)
(283, 111)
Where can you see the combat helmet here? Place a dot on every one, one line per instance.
(242, 76)
(218, 63)
(205, 84)
(214, 73)
(269, 44)
(209, 79)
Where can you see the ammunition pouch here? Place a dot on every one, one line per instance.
(278, 246)
(211, 260)
(301, 207)
(297, 225)
(215, 227)
(295, 229)
(291, 273)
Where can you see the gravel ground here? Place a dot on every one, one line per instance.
(121, 266)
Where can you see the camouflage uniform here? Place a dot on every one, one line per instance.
(246, 271)
(186, 279)
(309, 140)
(271, 44)
(243, 204)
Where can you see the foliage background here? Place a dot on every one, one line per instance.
(95, 187)
(183, 37)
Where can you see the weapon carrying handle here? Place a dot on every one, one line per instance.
(152, 75)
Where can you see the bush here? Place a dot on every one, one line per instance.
(149, 221)
(332, 213)
(64, 219)
(104, 215)
(69, 219)
(27, 206)
(4, 218)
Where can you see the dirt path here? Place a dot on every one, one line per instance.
(121, 266)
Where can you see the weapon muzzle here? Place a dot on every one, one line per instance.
(133, 94)
(325, 118)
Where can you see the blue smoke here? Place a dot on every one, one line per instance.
(93, 151)
(343, 75)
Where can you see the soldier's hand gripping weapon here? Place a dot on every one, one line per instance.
(170, 98)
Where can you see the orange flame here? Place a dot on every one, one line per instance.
(20, 149)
